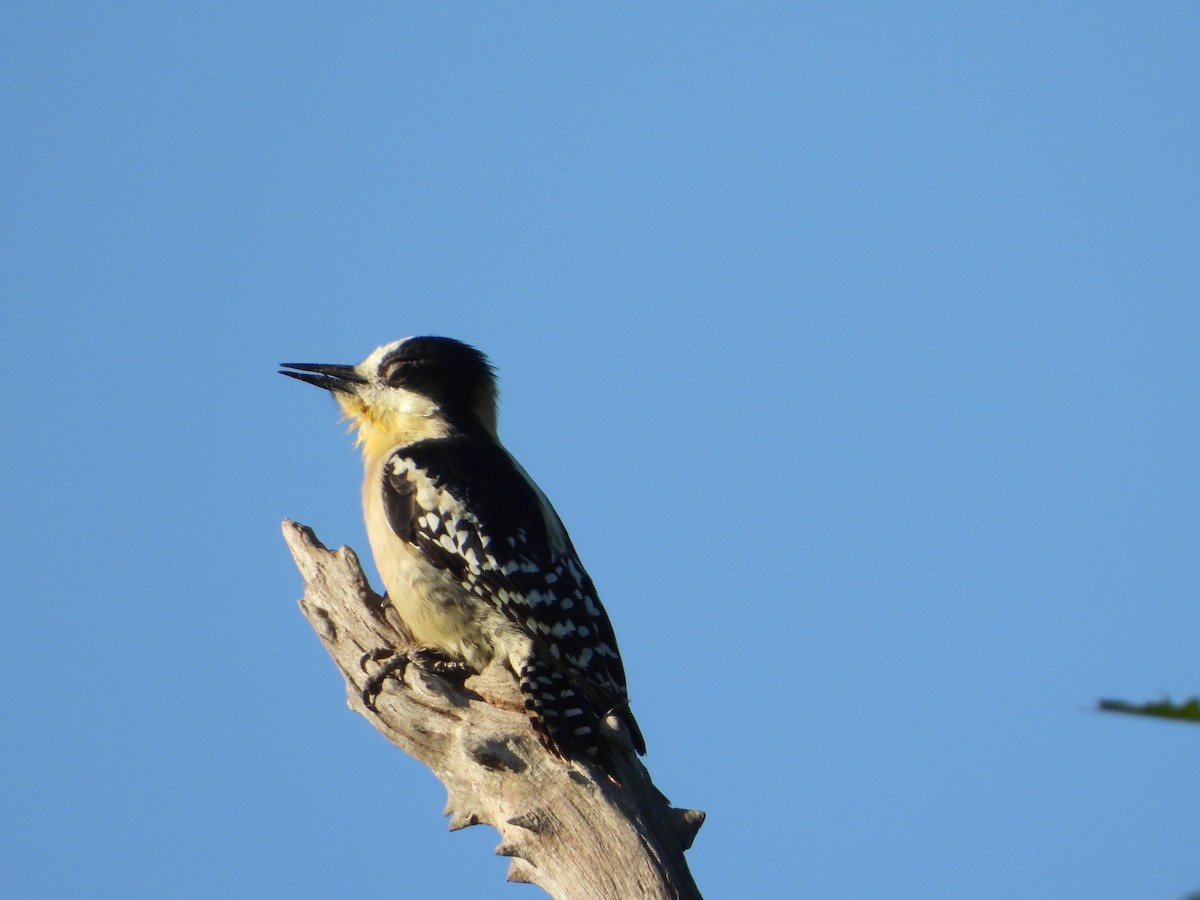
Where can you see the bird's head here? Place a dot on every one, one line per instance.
(409, 390)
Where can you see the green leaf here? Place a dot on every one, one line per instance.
(1188, 711)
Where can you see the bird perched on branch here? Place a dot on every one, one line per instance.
(473, 556)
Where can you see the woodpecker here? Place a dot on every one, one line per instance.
(473, 556)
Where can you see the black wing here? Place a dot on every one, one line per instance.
(471, 511)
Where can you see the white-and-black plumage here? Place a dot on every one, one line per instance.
(472, 554)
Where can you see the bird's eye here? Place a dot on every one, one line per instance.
(400, 370)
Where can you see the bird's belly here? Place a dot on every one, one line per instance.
(439, 611)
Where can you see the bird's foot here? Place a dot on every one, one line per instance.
(396, 662)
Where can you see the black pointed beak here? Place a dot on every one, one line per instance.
(341, 379)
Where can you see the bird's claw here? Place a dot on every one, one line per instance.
(395, 663)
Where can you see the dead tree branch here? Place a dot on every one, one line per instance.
(567, 827)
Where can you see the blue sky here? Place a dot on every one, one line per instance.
(856, 345)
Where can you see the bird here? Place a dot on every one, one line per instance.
(472, 554)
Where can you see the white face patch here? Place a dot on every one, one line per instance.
(369, 367)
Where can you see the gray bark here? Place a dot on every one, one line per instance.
(567, 827)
